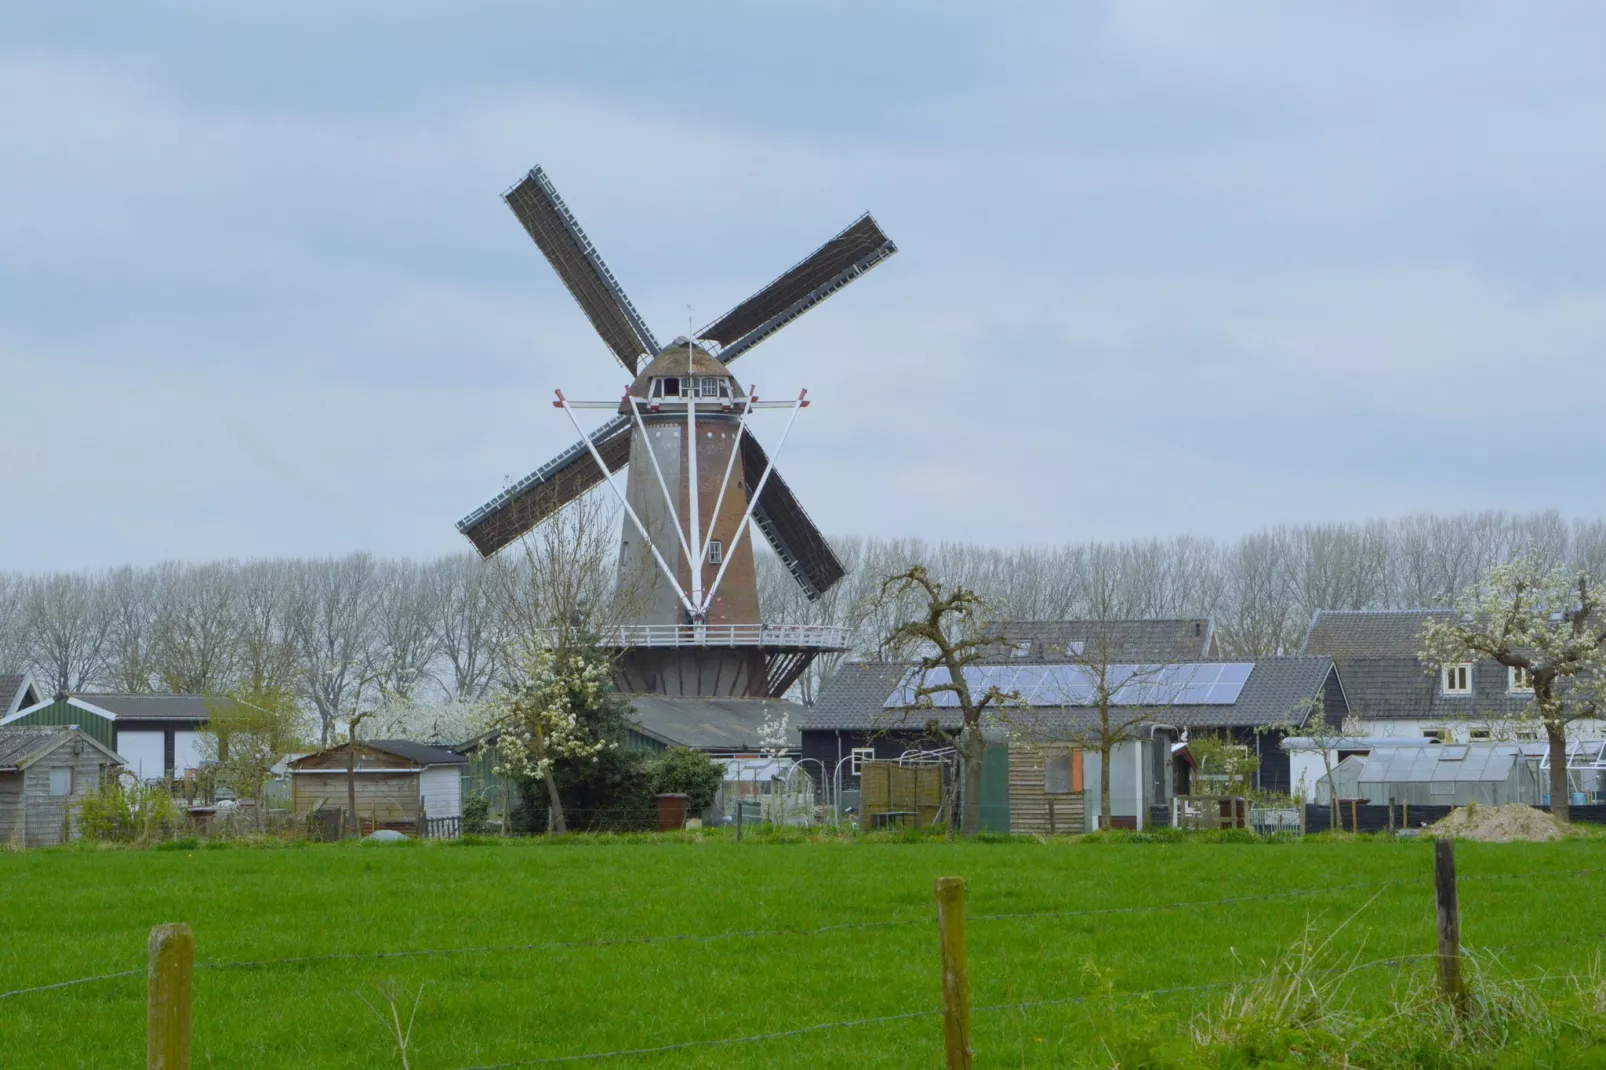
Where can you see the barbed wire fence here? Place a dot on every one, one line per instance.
(948, 1011)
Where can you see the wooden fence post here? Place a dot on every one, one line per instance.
(955, 971)
(169, 984)
(1451, 984)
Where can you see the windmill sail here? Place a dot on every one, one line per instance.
(799, 543)
(817, 276)
(553, 227)
(549, 488)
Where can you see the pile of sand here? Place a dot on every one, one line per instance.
(1499, 824)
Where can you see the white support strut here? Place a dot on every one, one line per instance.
(730, 467)
(607, 476)
(658, 471)
(752, 500)
(692, 495)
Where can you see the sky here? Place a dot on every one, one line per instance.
(1164, 268)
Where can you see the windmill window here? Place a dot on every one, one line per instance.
(666, 388)
(716, 551)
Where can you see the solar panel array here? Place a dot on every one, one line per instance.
(1194, 684)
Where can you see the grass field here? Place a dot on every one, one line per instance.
(70, 914)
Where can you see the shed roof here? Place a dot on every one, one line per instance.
(20, 744)
(855, 698)
(731, 724)
(151, 707)
(421, 754)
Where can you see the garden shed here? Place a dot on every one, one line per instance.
(399, 782)
(45, 772)
(1438, 774)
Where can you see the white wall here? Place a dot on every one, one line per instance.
(441, 790)
(144, 752)
(186, 752)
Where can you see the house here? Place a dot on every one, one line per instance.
(398, 782)
(866, 712)
(1394, 694)
(45, 772)
(157, 735)
(17, 691)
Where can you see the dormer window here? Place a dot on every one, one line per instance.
(666, 388)
(1519, 681)
(702, 386)
(1456, 679)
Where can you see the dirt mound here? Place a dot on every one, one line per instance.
(1499, 824)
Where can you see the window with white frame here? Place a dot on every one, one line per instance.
(860, 755)
(61, 780)
(716, 551)
(1436, 735)
(1519, 681)
(1480, 735)
(1456, 679)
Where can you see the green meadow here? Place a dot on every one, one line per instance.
(780, 936)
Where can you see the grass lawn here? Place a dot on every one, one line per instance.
(74, 913)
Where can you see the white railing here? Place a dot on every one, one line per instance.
(812, 636)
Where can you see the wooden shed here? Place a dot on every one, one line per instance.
(45, 772)
(399, 782)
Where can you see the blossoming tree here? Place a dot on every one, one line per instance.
(542, 719)
(1549, 624)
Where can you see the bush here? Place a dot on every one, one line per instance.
(687, 772)
(476, 816)
(125, 810)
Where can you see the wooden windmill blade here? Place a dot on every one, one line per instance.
(857, 249)
(507, 517)
(797, 540)
(557, 233)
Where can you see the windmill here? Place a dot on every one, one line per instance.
(701, 481)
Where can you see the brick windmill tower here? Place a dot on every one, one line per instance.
(700, 482)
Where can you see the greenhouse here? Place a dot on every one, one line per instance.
(1436, 774)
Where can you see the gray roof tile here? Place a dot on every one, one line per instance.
(19, 742)
(710, 723)
(853, 700)
(151, 707)
(1391, 633)
(1121, 640)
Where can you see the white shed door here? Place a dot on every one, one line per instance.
(441, 788)
(186, 752)
(144, 752)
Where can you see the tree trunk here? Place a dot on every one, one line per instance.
(351, 786)
(975, 754)
(555, 825)
(1106, 819)
(1560, 800)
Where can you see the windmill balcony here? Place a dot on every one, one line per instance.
(816, 637)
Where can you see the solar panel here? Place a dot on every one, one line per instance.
(1197, 684)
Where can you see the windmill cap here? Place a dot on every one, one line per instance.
(671, 363)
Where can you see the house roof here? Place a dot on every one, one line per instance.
(16, 691)
(712, 723)
(422, 753)
(150, 707)
(1388, 633)
(855, 698)
(20, 744)
(1115, 640)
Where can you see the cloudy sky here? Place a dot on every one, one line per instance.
(1164, 268)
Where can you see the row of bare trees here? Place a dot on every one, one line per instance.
(438, 630)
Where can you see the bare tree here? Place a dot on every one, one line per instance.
(130, 602)
(194, 630)
(266, 659)
(936, 638)
(407, 632)
(66, 630)
(331, 620)
(13, 655)
(463, 597)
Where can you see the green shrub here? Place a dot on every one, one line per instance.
(687, 772)
(476, 815)
(125, 810)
